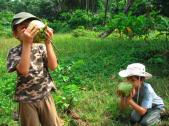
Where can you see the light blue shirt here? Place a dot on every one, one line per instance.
(148, 98)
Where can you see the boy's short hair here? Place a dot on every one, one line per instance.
(20, 18)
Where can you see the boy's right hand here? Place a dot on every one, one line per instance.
(133, 93)
(28, 34)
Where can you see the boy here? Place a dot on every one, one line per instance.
(143, 100)
(34, 83)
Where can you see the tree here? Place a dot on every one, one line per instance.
(106, 8)
(128, 5)
(5, 5)
(49, 8)
(42, 8)
(163, 6)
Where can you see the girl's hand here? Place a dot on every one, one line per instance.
(49, 35)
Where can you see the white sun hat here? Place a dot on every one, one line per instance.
(135, 69)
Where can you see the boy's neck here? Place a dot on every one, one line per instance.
(139, 86)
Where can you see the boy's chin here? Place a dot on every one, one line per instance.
(18, 39)
(135, 85)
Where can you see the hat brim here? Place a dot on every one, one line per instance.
(125, 73)
(20, 20)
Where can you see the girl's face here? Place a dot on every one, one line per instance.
(136, 82)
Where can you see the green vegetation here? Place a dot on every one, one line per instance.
(87, 76)
(124, 89)
(40, 37)
(95, 39)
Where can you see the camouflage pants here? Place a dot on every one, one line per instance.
(40, 113)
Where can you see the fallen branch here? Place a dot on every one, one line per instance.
(106, 33)
(77, 118)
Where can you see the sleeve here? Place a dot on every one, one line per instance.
(13, 59)
(147, 99)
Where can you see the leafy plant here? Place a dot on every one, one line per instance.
(41, 35)
(80, 18)
(131, 25)
(5, 23)
(163, 26)
(68, 98)
(80, 31)
(7, 90)
(69, 73)
(124, 89)
(59, 26)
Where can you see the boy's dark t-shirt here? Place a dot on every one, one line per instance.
(38, 83)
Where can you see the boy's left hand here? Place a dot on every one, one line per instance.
(49, 35)
(132, 94)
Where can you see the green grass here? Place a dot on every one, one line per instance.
(93, 65)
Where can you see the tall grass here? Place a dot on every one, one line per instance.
(7, 84)
(102, 59)
(94, 68)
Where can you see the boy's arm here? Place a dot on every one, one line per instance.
(146, 102)
(123, 103)
(51, 57)
(26, 37)
(141, 110)
(24, 64)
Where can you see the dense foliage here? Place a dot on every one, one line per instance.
(125, 17)
(86, 78)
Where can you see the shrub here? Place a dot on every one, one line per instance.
(5, 23)
(81, 31)
(80, 18)
(163, 26)
(59, 26)
(131, 25)
(68, 98)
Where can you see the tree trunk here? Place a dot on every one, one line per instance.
(87, 5)
(77, 118)
(106, 8)
(106, 33)
(92, 6)
(129, 4)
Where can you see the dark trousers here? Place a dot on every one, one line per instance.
(152, 117)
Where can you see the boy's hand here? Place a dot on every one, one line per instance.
(49, 35)
(28, 34)
(132, 94)
(123, 103)
(120, 93)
